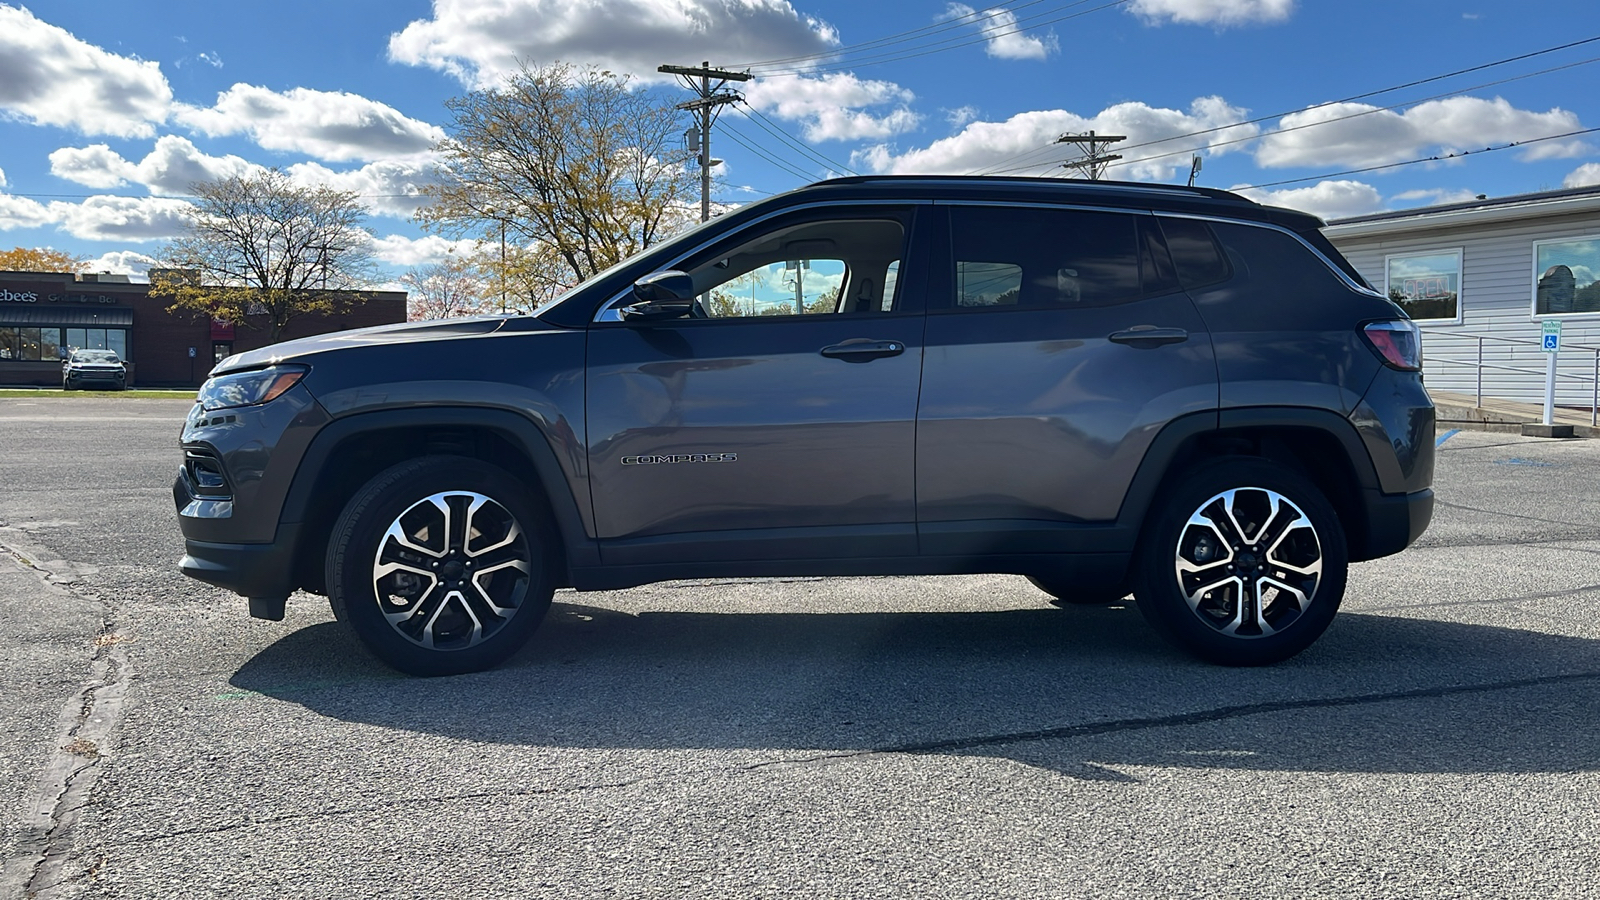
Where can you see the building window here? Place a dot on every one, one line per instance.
(113, 339)
(1426, 285)
(1565, 276)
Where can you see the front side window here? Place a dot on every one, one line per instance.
(1426, 285)
(1566, 276)
(1010, 257)
(811, 268)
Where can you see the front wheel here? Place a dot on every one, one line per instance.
(1243, 564)
(441, 565)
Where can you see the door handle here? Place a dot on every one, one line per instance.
(1144, 337)
(859, 350)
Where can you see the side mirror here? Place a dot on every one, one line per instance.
(662, 295)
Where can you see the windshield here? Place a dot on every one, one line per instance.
(95, 356)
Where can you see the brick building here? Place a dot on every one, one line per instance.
(44, 313)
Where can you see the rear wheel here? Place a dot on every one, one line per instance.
(1243, 564)
(441, 565)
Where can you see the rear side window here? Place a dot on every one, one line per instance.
(1272, 259)
(1195, 252)
(1042, 258)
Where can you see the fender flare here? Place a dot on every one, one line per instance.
(519, 431)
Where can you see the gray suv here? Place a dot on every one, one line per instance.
(1109, 388)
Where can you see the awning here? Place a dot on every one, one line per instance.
(68, 317)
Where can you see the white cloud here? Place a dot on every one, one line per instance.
(1212, 12)
(830, 107)
(123, 262)
(1024, 141)
(1582, 176)
(22, 212)
(170, 168)
(960, 116)
(50, 77)
(1006, 40)
(105, 218)
(1328, 199)
(481, 41)
(399, 250)
(1355, 134)
(330, 125)
(388, 188)
(2, 177)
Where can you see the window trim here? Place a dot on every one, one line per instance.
(606, 312)
(1533, 281)
(1461, 279)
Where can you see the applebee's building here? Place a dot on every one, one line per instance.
(44, 316)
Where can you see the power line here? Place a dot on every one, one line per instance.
(1424, 159)
(1357, 115)
(773, 128)
(753, 147)
(991, 169)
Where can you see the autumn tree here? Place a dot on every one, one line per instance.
(261, 251)
(40, 259)
(444, 290)
(571, 164)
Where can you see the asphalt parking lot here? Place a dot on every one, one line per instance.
(884, 737)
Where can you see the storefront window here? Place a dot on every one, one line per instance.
(50, 343)
(30, 344)
(1564, 276)
(10, 343)
(117, 342)
(1427, 285)
(75, 339)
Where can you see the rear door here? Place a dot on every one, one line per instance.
(1058, 345)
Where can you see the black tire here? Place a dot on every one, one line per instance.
(1294, 541)
(1064, 593)
(463, 621)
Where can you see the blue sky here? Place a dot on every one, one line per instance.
(109, 108)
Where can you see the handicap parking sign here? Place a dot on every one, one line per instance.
(1552, 336)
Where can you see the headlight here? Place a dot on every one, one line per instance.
(249, 388)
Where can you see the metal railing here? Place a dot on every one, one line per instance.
(1480, 365)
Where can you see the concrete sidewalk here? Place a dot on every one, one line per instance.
(1462, 411)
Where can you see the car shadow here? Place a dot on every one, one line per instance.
(1080, 692)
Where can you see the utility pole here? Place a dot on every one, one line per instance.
(1094, 146)
(705, 106)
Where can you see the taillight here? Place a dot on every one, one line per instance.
(1398, 343)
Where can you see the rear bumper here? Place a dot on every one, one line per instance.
(1393, 523)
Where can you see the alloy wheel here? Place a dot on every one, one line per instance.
(1248, 562)
(452, 570)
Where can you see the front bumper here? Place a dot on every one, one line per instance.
(261, 572)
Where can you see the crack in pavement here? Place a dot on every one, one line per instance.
(1064, 732)
(86, 733)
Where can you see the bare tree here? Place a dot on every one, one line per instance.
(444, 290)
(572, 170)
(260, 251)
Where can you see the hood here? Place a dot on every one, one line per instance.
(405, 332)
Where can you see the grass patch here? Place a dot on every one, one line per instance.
(182, 394)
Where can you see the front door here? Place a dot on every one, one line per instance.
(779, 422)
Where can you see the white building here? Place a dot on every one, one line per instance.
(1482, 277)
